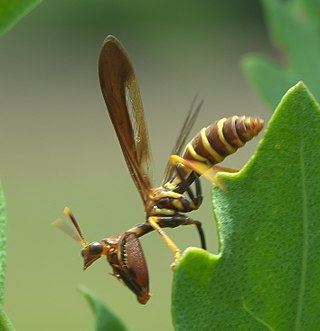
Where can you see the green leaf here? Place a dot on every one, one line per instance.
(5, 324)
(11, 11)
(294, 27)
(3, 244)
(106, 320)
(266, 275)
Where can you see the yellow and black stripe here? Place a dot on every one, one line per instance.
(222, 138)
(215, 142)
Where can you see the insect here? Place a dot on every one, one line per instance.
(166, 205)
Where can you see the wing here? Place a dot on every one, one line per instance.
(121, 94)
(183, 135)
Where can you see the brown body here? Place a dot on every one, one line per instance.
(165, 206)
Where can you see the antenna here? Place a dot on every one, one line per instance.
(62, 225)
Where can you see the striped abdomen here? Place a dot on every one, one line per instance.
(212, 144)
(222, 138)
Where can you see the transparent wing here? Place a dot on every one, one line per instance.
(121, 94)
(183, 135)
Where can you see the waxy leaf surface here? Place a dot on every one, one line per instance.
(266, 275)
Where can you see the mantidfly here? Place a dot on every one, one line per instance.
(166, 205)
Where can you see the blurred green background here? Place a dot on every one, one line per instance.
(58, 147)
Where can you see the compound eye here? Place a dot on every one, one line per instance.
(95, 248)
(92, 249)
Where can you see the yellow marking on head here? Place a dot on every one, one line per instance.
(209, 148)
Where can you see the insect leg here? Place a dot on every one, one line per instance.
(154, 222)
(180, 219)
(199, 197)
(184, 186)
(203, 169)
(130, 266)
(198, 224)
(141, 229)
